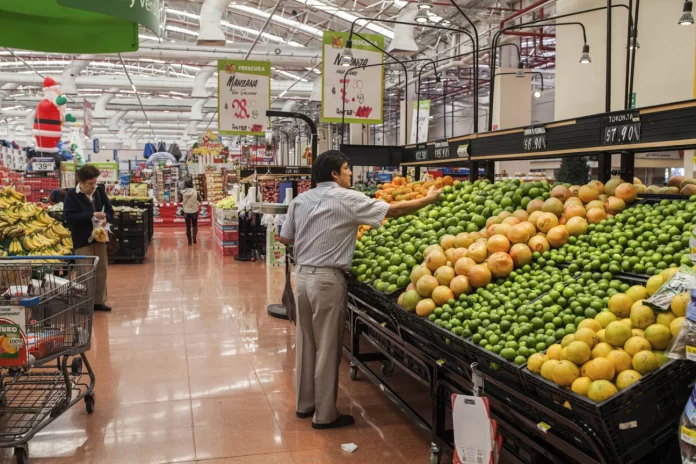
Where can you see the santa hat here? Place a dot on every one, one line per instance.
(50, 84)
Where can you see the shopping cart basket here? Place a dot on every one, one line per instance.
(46, 313)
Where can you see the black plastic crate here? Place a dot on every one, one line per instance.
(397, 352)
(132, 252)
(498, 367)
(133, 217)
(632, 423)
(132, 229)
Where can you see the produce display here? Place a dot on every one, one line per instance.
(519, 267)
(27, 229)
(618, 345)
(226, 203)
(303, 186)
(362, 188)
(115, 198)
(677, 185)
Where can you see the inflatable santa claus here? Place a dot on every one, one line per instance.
(48, 121)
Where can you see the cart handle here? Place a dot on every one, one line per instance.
(59, 257)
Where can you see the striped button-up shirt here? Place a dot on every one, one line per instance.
(323, 223)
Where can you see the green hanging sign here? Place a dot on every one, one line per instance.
(145, 12)
(47, 26)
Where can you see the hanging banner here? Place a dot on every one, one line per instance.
(420, 122)
(67, 175)
(244, 96)
(364, 87)
(145, 12)
(109, 171)
(88, 118)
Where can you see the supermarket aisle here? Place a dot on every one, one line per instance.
(191, 369)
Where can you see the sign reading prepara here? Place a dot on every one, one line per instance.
(361, 90)
(244, 96)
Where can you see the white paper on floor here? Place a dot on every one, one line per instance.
(350, 447)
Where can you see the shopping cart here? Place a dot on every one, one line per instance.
(46, 313)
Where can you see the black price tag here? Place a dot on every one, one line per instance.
(534, 139)
(292, 170)
(442, 150)
(421, 152)
(621, 128)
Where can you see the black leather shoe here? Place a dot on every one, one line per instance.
(105, 308)
(344, 420)
(304, 415)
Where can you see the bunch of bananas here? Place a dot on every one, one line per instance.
(226, 203)
(9, 196)
(15, 247)
(37, 242)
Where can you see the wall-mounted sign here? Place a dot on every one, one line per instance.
(244, 96)
(364, 87)
(621, 128)
(463, 150)
(534, 138)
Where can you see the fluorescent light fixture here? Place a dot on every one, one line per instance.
(289, 74)
(438, 84)
(314, 70)
(344, 15)
(279, 19)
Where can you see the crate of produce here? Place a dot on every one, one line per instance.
(226, 217)
(132, 229)
(631, 423)
(134, 217)
(139, 241)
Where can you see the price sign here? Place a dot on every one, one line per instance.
(621, 128)
(534, 139)
(442, 149)
(109, 171)
(42, 165)
(463, 150)
(421, 152)
(292, 170)
(244, 89)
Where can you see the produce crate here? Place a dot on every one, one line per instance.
(132, 217)
(130, 229)
(137, 241)
(226, 216)
(631, 423)
(498, 367)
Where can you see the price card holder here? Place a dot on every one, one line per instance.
(534, 139)
(442, 149)
(422, 152)
(42, 165)
(621, 128)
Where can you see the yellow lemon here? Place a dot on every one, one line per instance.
(578, 352)
(567, 340)
(605, 318)
(601, 390)
(637, 292)
(617, 333)
(601, 350)
(591, 324)
(548, 367)
(581, 385)
(666, 318)
(535, 362)
(601, 335)
(601, 369)
(620, 305)
(565, 373)
(554, 352)
(645, 362)
(668, 273)
(642, 317)
(638, 332)
(620, 359)
(635, 344)
(659, 336)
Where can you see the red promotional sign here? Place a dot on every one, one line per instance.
(171, 215)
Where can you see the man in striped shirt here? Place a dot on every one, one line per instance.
(322, 224)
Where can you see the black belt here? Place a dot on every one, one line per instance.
(52, 122)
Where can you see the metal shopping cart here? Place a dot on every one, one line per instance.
(46, 313)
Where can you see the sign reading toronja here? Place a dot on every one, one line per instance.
(354, 91)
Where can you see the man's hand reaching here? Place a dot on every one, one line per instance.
(433, 195)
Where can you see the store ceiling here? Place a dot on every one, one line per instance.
(175, 79)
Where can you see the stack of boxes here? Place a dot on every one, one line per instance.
(131, 229)
(40, 187)
(213, 185)
(226, 228)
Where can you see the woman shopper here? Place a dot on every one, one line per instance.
(84, 202)
(190, 203)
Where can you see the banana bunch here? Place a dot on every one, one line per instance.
(37, 242)
(10, 215)
(61, 231)
(15, 247)
(12, 231)
(66, 242)
(9, 197)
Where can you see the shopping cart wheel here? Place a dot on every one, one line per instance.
(76, 366)
(89, 403)
(387, 368)
(353, 372)
(22, 454)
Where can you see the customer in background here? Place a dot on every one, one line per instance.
(81, 204)
(322, 224)
(57, 196)
(190, 203)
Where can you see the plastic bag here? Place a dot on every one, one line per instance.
(100, 231)
(683, 346)
(683, 281)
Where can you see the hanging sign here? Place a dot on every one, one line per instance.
(534, 139)
(67, 175)
(208, 144)
(88, 118)
(145, 12)
(108, 170)
(621, 128)
(420, 122)
(244, 96)
(41, 165)
(364, 87)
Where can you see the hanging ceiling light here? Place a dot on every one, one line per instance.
(585, 58)
(347, 56)
(633, 42)
(520, 70)
(438, 84)
(686, 18)
(539, 92)
(422, 17)
(425, 4)
(445, 22)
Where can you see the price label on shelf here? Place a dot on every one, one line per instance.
(621, 128)
(42, 165)
(534, 139)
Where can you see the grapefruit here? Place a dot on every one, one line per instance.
(601, 390)
(576, 226)
(565, 373)
(645, 362)
(539, 244)
(462, 266)
(479, 276)
(601, 350)
(654, 283)
(620, 305)
(679, 304)
(441, 294)
(597, 185)
(518, 234)
(463, 240)
(627, 378)
(626, 192)
(588, 193)
(553, 206)
(588, 336)
(478, 252)
(500, 264)
(601, 369)
(601, 335)
(581, 385)
(574, 210)
(546, 222)
(610, 187)
(426, 285)
(432, 248)
(548, 367)
(666, 318)
(535, 362)
(620, 359)
(636, 344)
(411, 300)
(637, 292)
(676, 326)
(617, 333)
(578, 352)
(659, 336)
(554, 352)
(557, 236)
(590, 324)
(561, 192)
(535, 205)
(521, 254)
(605, 318)
(642, 317)
(425, 307)
(614, 205)
(444, 275)
(596, 215)
(447, 241)
(460, 285)
(435, 260)
(567, 340)
(498, 243)
(418, 272)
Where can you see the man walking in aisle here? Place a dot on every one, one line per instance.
(322, 223)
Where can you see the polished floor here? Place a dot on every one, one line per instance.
(190, 369)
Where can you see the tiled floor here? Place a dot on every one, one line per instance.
(191, 369)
